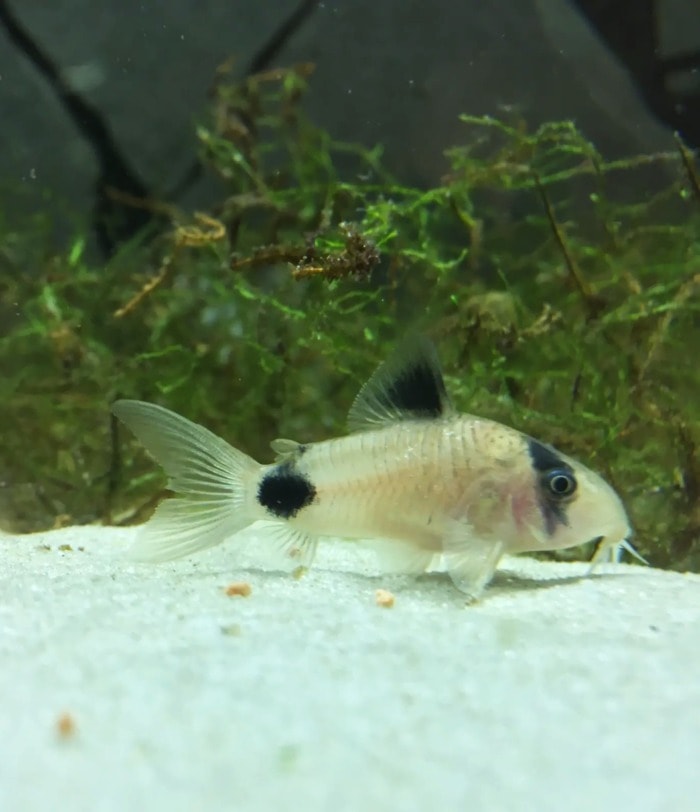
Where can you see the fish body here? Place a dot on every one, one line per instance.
(414, 476)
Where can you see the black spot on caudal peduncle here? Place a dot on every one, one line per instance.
(545, 461)
(283, 491)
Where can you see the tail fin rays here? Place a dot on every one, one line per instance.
(212, 478)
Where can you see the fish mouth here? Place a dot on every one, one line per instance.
(600, 548)
(603, 544)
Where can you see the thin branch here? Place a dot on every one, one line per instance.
(593, 303)
(689, 165)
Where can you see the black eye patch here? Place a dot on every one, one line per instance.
(556, 483)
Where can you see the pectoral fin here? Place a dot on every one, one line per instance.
(471, 560)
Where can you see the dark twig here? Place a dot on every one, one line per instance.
(113, 222)
(281, 36)
(689, 165)
(593, 303)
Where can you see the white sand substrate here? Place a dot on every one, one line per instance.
(127, 686)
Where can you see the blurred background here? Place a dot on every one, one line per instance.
(97, 92)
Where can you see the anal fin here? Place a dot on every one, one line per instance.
(286, 547)
(471, 560)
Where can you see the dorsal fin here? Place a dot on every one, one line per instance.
(407, 386)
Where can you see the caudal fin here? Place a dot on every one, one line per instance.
(212, 481)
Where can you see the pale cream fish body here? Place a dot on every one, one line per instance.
(423, 482)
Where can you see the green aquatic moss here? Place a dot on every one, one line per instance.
(562, 290)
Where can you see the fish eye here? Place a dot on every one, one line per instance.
(560, 483)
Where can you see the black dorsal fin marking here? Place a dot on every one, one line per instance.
(407, 386)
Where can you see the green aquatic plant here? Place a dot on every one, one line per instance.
(561, 288)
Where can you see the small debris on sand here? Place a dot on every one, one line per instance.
(240, 589)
